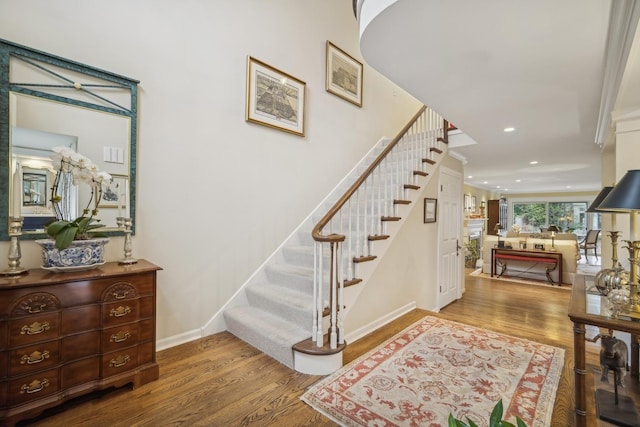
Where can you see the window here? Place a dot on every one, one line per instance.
(530, 216)
(569, 217)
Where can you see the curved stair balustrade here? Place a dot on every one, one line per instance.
(359, 218)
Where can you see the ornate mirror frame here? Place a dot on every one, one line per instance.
(52, 78)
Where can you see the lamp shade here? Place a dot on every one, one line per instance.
(625, 196)
(593, 207)
(553, 228)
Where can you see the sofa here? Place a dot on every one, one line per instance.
(565, 243)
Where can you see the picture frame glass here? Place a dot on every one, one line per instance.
(430, 210)
(275, 99)
(114, 192)
(344, 75)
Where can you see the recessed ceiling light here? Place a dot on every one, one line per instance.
(517, 180)
(534, 162)
(470, 176)
(509, 129)
(485, 182)
(497, 186)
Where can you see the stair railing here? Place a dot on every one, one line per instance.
(360, 216)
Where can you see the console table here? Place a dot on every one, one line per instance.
(504, 255)
(585, 308)
(67, 334)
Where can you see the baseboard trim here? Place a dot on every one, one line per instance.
(175, 340)
(378, 323)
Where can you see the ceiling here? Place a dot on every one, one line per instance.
(543, 67)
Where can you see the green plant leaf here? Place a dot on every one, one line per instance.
(66, 236)
(496, 415)
(455, 422)
(56, 227)
(471, 423)
(520, 422)
(506, 424)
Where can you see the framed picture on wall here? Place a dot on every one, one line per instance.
(274, 98)
(344, 75)
(114, 193)
(430, 209)
(467, 201)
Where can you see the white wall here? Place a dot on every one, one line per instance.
(216, 195)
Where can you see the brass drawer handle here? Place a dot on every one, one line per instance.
(36, 309)
(35, 328)
(35, 357)
(34, 387)
(120, 311)
(120, 295)
(120, 336)
(119, 361)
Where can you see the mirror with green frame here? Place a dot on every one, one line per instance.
(45, 102)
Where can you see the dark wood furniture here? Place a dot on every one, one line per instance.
(496, 213)
(586, 308)
(553, 260)
(66, 334)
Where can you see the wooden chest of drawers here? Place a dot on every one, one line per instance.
(66, 334)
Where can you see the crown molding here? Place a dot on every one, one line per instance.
(623, 22)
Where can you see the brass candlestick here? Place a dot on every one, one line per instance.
(15, 231)
(632, 309)
(128, 247)
(614, 247)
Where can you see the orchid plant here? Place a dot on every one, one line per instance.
(73, 169)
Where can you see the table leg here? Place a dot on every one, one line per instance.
(580, 374)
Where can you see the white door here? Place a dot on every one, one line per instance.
(450, 252)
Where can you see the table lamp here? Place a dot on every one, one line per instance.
(613, 234)
(553, 229)
(625, 197)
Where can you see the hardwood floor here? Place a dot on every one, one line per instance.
(222, 381)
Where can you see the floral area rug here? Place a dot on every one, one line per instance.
(437, 367)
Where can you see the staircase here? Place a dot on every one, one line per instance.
(292, 308)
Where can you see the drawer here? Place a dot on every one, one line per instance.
(26, 360)
(147, 307)
(80, 319)
(32, 329)
(147, 330)
(118, 313)
(4, 361)
(4, 334)
(3, 393)
(32, 387)
(120, 337)
(80, 372)
(129, 288)
(79, 346)
(146, 353)
(119, 361)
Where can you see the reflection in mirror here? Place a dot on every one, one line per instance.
(100, 136)
(48, 101)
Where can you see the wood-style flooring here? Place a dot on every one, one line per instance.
(222, 381)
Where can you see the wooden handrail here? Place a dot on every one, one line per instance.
(317, 230)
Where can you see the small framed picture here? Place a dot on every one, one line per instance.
(114, 192)
(430, 210)
(344, 75)
(274, 98)
(467, 202)
(539, 246)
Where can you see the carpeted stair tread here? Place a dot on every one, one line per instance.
(289, 275)
(267, 332)
(297, 305)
